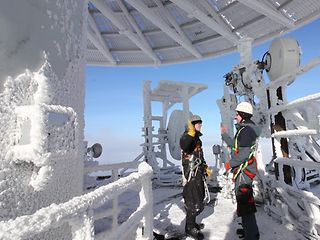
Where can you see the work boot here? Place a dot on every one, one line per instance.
(200, 226)
(194, 233)
(240, 232)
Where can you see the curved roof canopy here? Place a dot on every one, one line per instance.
(155, 32)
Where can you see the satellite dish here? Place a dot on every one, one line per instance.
(283, 57)
(176, 127)
(95, 150)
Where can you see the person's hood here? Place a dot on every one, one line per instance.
(256, 128)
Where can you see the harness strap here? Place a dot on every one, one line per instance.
(194, 166)
(235, 148)
(243, 166)
(253, 149)
(249, 174)
(207, 193)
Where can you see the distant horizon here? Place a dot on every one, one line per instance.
(114, 95)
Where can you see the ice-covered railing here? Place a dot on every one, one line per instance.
(115, 169)
(79, 213)
(298, 166)
(302, 207)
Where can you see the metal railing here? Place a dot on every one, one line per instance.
(78, 212)
(302, 206)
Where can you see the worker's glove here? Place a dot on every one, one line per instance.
(227, 166)
(227, 169)
(208, 171)
(191, 129)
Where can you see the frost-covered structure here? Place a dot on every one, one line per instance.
(42, 103)
(42, 50)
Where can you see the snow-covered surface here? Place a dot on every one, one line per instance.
(218, 216)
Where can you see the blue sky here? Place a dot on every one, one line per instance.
(114, 96)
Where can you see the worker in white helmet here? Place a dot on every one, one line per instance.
(244, 167)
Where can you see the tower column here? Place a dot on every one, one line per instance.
(42, 80)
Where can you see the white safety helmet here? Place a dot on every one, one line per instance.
(245, 107)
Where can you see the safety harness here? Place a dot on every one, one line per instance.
(243, 166)
(194, 163)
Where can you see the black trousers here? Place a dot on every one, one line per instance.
(250, 227)
(190, 220)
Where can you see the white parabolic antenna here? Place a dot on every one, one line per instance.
(283, 57)
(176, 127)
